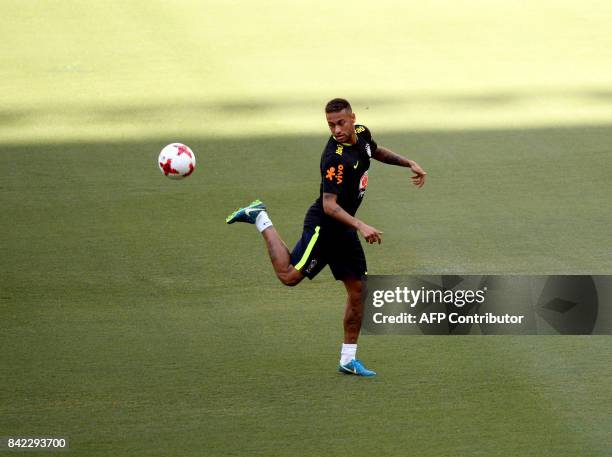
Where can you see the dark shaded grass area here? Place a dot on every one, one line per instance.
(135, 321)
(158, 111)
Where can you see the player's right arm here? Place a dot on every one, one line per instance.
(333, 209)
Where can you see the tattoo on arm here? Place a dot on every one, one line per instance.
(333, 209)
(393, 159)
(390, 157)
(332, 198)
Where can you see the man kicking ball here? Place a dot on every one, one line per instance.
(330, 226)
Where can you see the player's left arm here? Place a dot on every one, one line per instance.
(387, 156)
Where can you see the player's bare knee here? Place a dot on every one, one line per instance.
(289, 282)
(290, 278)
(286, 280)
(354, 292)
(354, 299)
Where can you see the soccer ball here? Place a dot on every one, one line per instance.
(177, 161)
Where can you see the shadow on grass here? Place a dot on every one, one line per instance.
(451, 101)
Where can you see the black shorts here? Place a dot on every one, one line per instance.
(341, 250)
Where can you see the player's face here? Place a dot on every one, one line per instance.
(342, 125)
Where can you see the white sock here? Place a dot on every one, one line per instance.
(263, 221)
(348, 353)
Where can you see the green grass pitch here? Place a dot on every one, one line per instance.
(134, 321)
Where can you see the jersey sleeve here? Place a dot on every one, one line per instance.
(333, 170)
(367, 135)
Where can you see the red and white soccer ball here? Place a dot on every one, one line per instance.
(177, 161)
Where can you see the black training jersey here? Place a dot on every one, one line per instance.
(344, 172)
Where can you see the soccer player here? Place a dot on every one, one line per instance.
(330, 226)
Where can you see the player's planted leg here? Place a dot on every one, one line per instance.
(353, 315)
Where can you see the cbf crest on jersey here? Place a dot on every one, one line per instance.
(363, 183)
(368, 150)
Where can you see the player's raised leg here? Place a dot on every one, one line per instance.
(353, 315)
(280, 258)
(255, 213)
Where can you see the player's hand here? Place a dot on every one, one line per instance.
(419, 175)
(372, 235)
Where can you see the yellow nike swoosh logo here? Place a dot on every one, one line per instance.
(356, 165)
